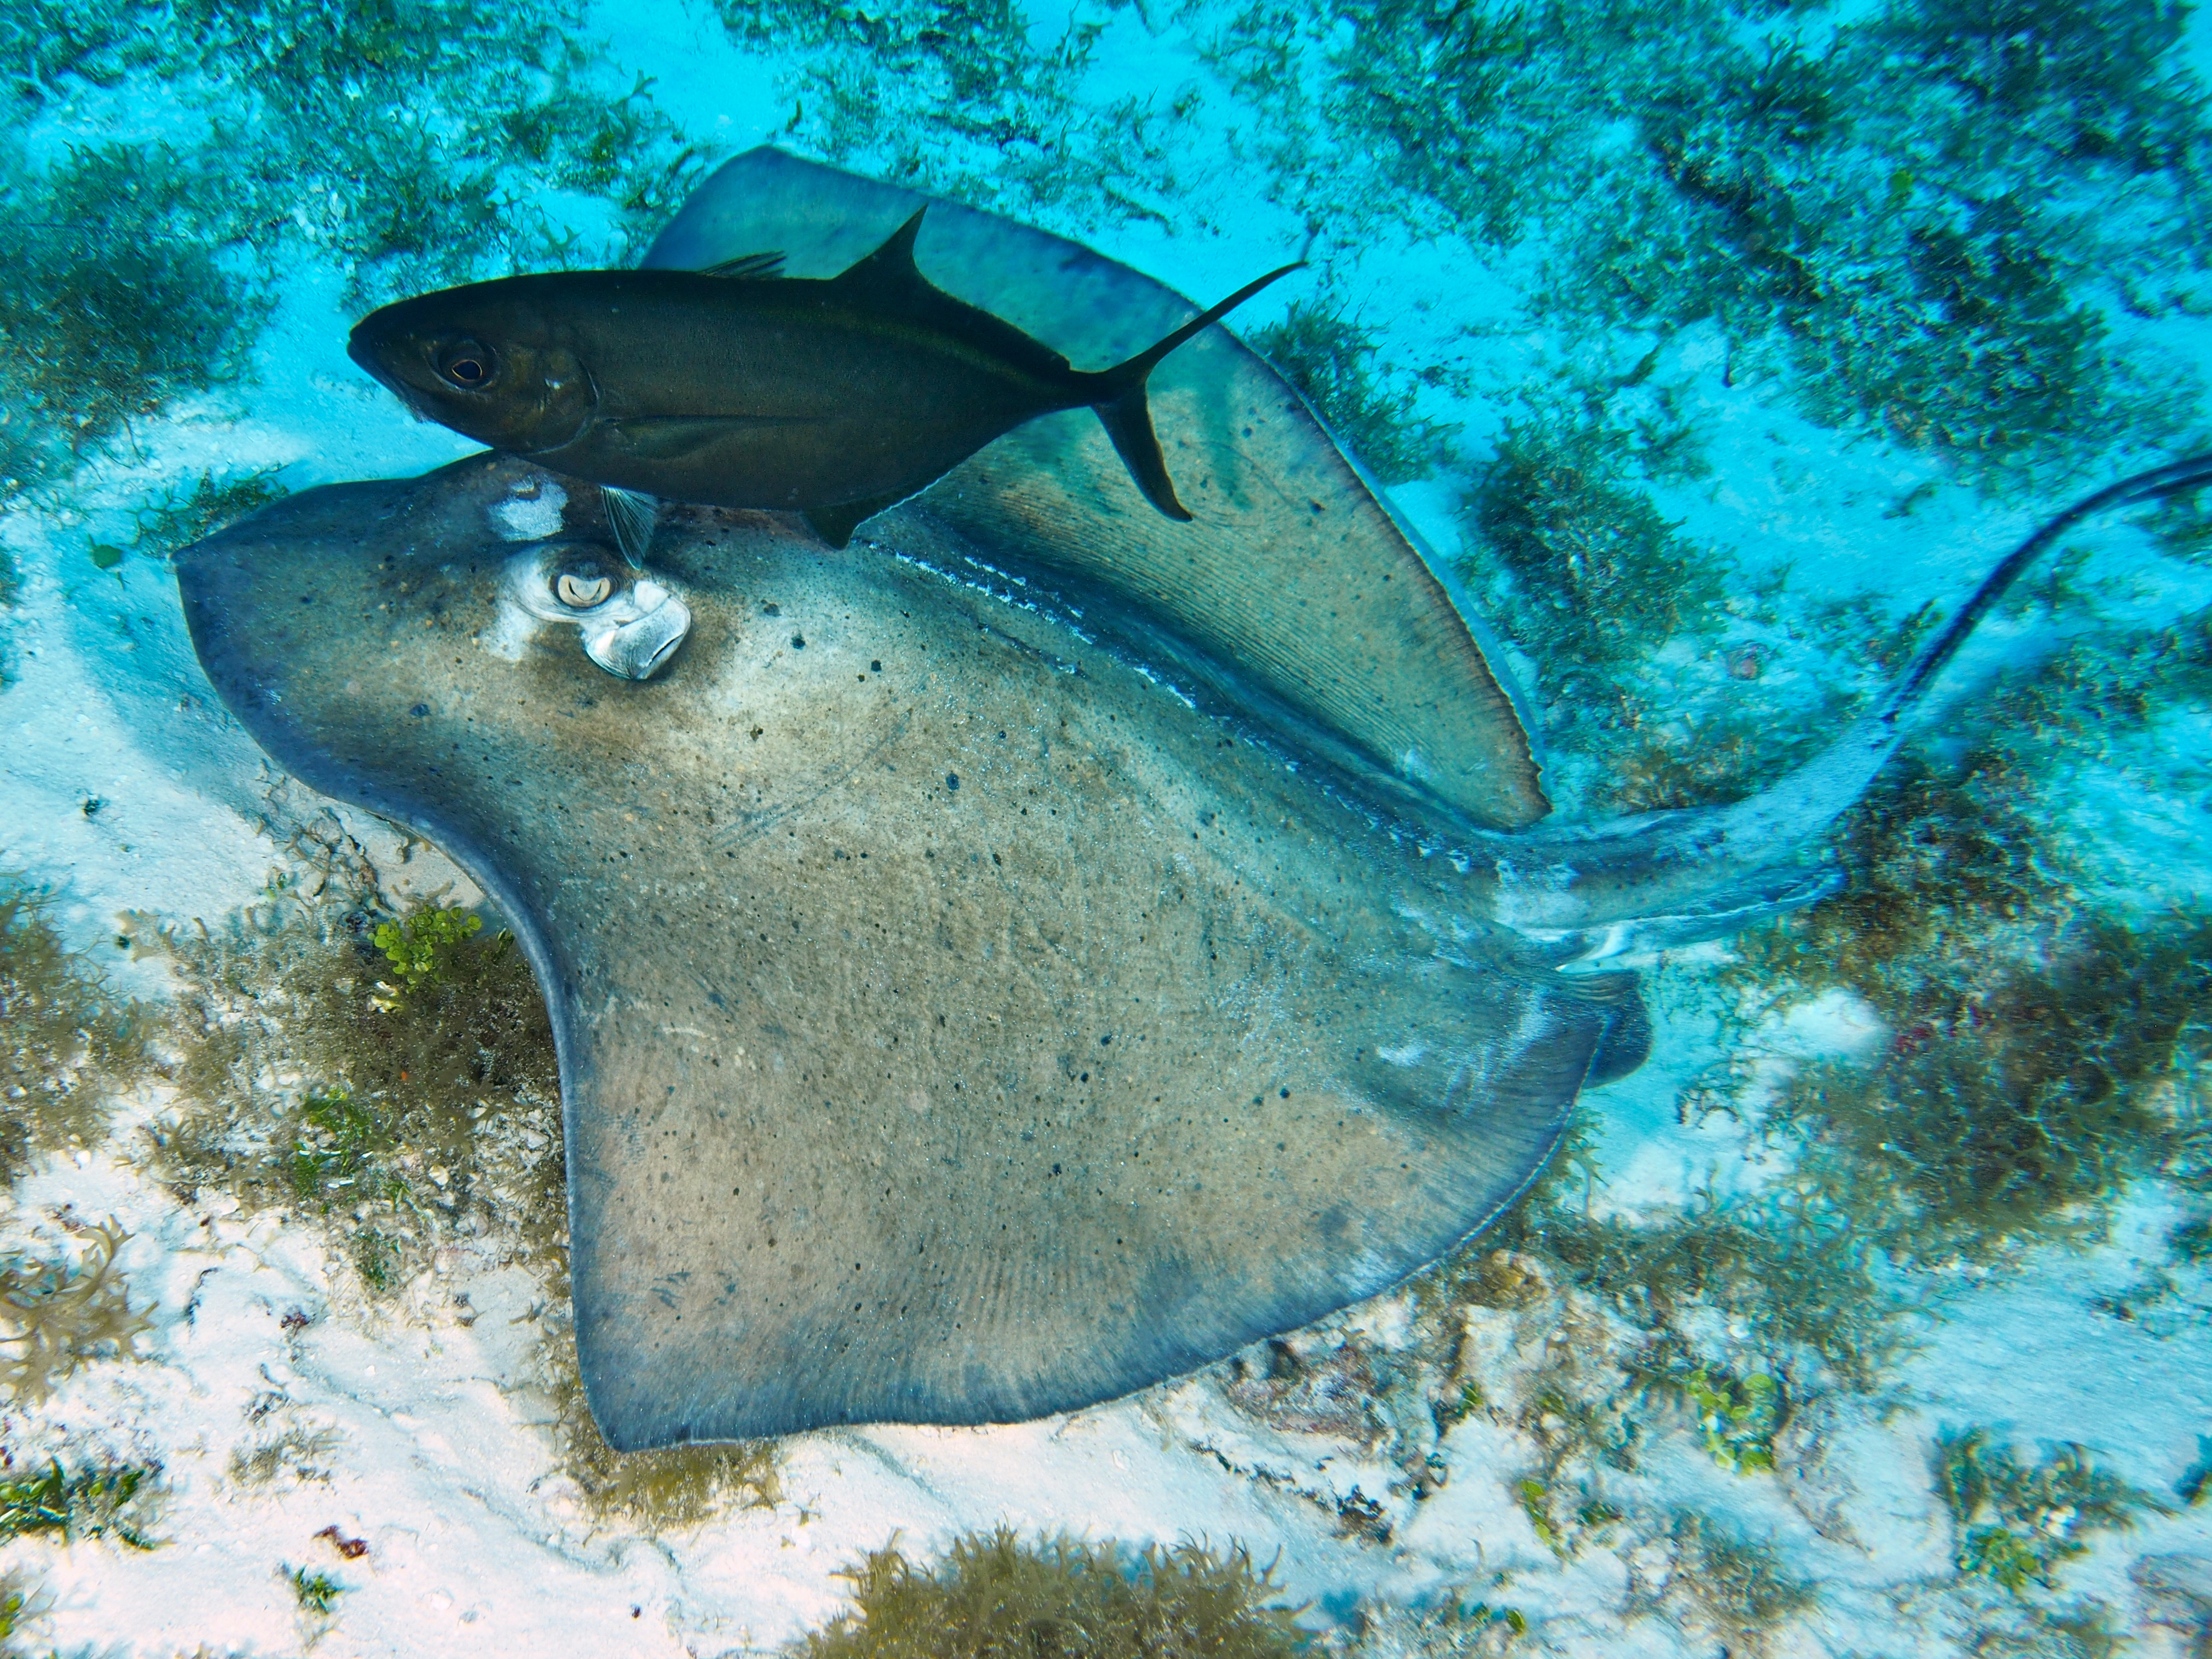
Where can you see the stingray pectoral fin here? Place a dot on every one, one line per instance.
(1302, 578)
(964, 1242)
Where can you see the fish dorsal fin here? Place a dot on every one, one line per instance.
(747, 267)
(1296, 573)
(890, 281)
(891, 270)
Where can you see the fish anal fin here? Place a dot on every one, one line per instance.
(1128, 421)
(631, 515)
(747, 267)
(835, 525)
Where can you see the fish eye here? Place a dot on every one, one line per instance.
(580, 591)
(466, 364)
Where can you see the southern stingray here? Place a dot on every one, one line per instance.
(982, 986)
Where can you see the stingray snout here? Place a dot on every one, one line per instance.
(630, 623)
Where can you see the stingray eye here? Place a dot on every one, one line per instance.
(465, 363)
(581, 592)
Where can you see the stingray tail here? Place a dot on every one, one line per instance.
(1673, 878)
(1127, 417)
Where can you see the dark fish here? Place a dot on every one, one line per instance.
(737, 386)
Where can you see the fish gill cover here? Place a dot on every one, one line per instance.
(1740, 315)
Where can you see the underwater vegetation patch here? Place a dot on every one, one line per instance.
(96, 1501)
(1738, 1416)
(1717, 1580)
(114, 297)
(315, 1590)
(1473, 1624)
(954, 97)
(1599, 574)
(402, 141)
(183, 515)
(1573, 558)
(59, 1314)
(407, 133)
(2020, 1106)
(993, 1596)
(1331, 360)
(68, 1042)
(420, 1111)
(2015, 1522)
(1786, 1268)
(665, 1490)
(2036, 1045)
(1887, 212)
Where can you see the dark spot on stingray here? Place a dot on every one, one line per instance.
(799, 641)
(771, 610)
(875, 667)
(952, 780)
(420, 711)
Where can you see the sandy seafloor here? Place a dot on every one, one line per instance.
(443, 1461)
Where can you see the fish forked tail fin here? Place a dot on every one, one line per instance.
(1127, 417)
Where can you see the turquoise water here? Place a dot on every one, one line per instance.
(1713, 354)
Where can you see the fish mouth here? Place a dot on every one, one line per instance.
(360, 346)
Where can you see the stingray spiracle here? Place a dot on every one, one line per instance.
(630, 623)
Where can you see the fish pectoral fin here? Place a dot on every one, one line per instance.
(631, 515)
(675, 437)
(747, 267)
(835, 525)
